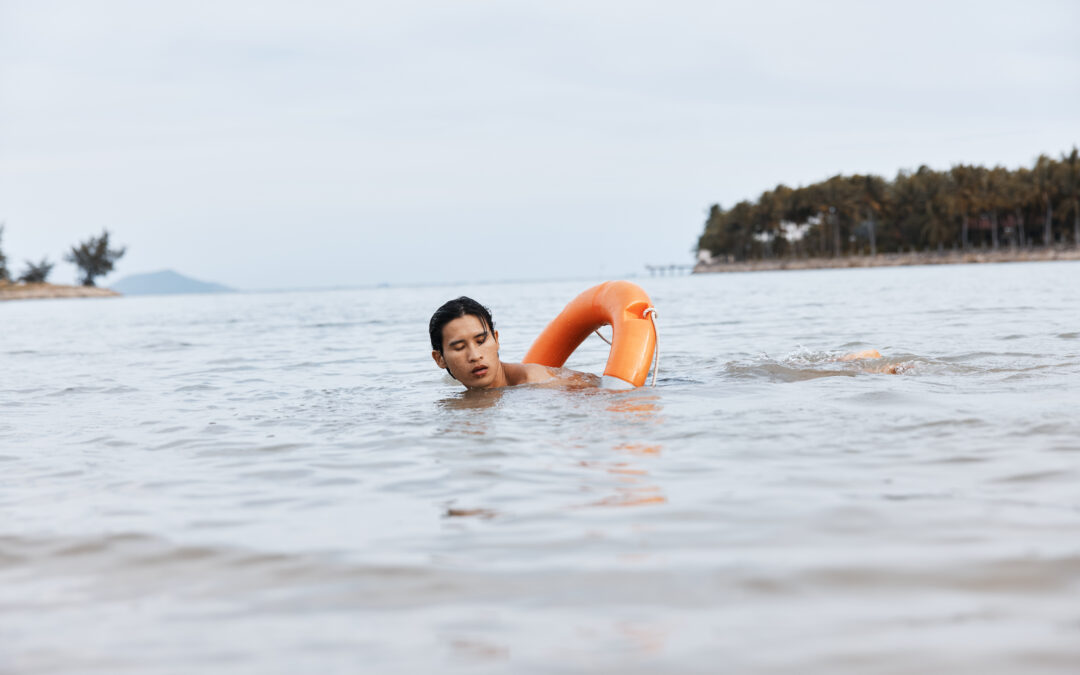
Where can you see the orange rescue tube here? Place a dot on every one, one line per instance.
(620, 304)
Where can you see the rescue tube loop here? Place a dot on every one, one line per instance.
(620, 304)
(651, 313)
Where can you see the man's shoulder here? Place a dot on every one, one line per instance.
(561, 377)
(534, 372)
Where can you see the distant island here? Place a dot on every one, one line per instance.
(166, 282)
(154, 283)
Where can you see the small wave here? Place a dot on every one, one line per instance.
(121, 389)
(950, 423)
(1038, 476)
(1064, 447)
(72, 391)
(1014, 574)
(674, 380)
(344, 324)
(780, 372)
(974, 356)
(246, 450)
(804, 364)
(165, 346)
(303, 365)
(957, 459)
(196, 387)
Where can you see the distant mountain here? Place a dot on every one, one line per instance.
(163, 282)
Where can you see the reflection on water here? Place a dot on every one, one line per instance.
(639, 448)
(639, 408)
(466, 513)
(634, 412)
(641, 405)
(472, 399)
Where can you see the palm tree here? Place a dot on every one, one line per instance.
(937, 229)
(5, 275)
(1070, 188)
(1044, 167)
(94, 257)
(1023, 194)
(997, 198)
(965, 187)
(838, 202)
(918, 210)
(713, 239)
(739, 229)
(872, 195)
(772, 212)
(36, 273)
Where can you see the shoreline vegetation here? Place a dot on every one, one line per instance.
(92, 257)
(838, 221)
(41, 291)
(946, 257)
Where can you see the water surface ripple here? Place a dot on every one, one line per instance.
(283, 482)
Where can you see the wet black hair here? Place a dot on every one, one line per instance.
(455, 309)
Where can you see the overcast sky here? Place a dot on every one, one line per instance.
(278, 144)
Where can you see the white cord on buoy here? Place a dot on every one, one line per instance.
(651, 313)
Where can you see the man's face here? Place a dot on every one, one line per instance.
(470, 352)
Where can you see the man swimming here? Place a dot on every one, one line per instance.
(464, 342)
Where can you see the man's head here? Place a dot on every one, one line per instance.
(465, 343)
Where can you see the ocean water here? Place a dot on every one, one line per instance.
(284, 482)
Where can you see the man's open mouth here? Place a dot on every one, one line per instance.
(480, 371)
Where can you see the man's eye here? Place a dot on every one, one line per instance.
(480, 341)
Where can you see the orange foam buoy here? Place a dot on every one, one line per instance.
(620, 304)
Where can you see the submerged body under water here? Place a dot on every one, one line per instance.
(266, 483)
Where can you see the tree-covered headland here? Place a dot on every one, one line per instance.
(963, 208)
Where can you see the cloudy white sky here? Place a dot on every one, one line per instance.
(277, 144)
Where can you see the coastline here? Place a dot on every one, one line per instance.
(892, 260)
(44, 291)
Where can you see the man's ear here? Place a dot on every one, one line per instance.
(495, 334)
(439, 359)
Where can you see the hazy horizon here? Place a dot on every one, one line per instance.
(264, 147)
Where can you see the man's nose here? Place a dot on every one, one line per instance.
(474, 352)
